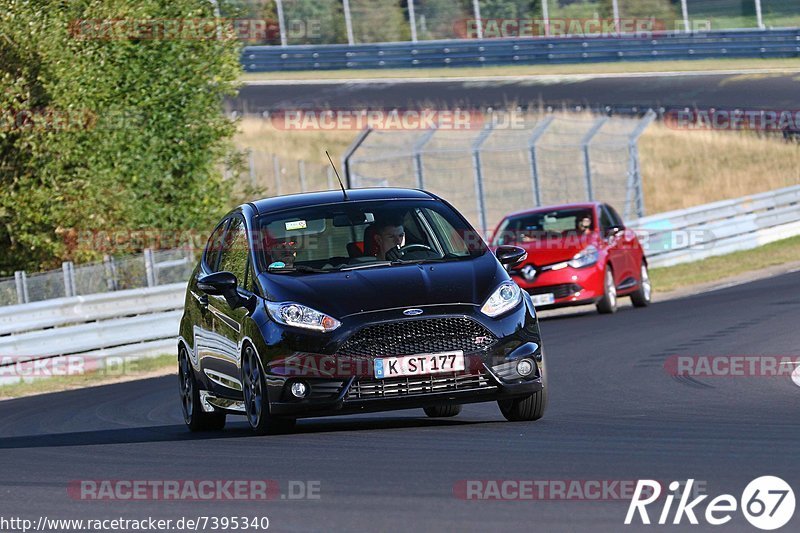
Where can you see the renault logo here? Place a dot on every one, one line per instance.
(412, 312)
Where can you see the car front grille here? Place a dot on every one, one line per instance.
(411, 337)
(558, 291)
(413, 385)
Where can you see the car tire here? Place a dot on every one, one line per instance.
(643, 295)
(256, 406)
(608, 303)
(442, 411)
(527, 408)
(193, 415)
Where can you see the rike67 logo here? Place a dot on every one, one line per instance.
(767, 503)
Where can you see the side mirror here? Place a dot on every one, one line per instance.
(225, 284)
(511, 256)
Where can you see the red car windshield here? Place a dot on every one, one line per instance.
(543, 225)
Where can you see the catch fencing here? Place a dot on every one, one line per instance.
(487, 173)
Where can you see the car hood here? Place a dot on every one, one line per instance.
(372, 289)
(556, 250)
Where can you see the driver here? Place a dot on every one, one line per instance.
(584, 225)
(388, 233)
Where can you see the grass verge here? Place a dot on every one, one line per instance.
(697, 65)
(133, 369)
(717, 269)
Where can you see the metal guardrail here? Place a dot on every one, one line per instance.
(475, 53)
(720, 228)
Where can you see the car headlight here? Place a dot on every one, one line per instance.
(300, 316)
(504, 298)
(587, 256)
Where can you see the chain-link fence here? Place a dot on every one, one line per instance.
(271, 175)
(487, 173)
(374, 21)
(148, 269)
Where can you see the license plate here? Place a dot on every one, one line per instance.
(543, 299)
(415, 365)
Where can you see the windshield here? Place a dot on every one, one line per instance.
(354, 235)
(543, 225)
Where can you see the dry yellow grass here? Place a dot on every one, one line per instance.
(680, 168)
(686, 168)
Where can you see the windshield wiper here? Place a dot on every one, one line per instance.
(360, 266)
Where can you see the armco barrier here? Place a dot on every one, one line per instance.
(720, 228)
(474, 53)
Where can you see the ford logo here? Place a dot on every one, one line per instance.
(412, 312)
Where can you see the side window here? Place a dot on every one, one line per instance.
(214, 246)
(605, 219)
(234, 251)
(615, 218)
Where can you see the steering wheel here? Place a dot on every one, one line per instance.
(397, 253)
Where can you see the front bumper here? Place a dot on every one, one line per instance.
(349, 385)
(570, 286)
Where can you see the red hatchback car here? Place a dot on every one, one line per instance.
(577, 254)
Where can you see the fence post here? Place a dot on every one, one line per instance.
(111, 274)
(276, 169)
(301, 169)
(330, 178)
(351, 150)
(635, 184)
(476, 11)
(546, 18)
(615, 11)
(477, 167)
(21, 282)
(759, 17)
(348, 22)
(412, 19)
(587, 163)
(685, 14)
(418, 146)
(281, 22)
(537, 133)
(252, 166)
(149, 267)
(69, 282)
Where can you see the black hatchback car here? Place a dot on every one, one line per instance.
(331, 303)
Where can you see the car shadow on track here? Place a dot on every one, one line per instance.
(178, 432)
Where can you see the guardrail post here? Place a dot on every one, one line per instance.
(111, 272)
(418, 146)
(21, 282)
(685, 14)
(477, 167)
(476, 11)
(537, 133)
(348, 22)
(587, 163)
(69, 280)
(150, 267)
(546, 18)
(759, 17)
(301, 170)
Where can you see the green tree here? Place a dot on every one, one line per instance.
(108, 134)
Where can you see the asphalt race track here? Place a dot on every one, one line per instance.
(772, 91)
(614, 414)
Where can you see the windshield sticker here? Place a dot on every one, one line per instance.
(296, 224)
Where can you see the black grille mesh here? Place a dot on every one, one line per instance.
(558, 291)
(381, 388)
(409, 337)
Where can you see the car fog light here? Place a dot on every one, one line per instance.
(524, 367)
(299, 389)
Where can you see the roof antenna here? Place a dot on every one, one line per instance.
(344, 192)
